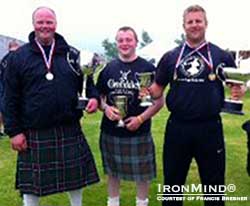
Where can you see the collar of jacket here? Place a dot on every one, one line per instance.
(61, 45)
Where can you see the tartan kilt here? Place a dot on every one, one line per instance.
(57, 160)
(128, 158)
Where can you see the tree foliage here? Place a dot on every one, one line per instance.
(181, 40)
(110, 49)
(146, 39)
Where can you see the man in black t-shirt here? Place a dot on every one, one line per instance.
(128, 151)
(195, 99)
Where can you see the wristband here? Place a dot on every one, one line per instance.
(139, 118)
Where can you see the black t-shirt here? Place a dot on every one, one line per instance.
(193, 94)
(121, 78)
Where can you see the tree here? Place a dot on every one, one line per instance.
(146, 39)
(110, 49)
(181, 40)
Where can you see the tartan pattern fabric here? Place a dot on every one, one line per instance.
(57, 160)
(128, 158)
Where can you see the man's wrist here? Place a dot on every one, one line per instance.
(140, 119)
(104, 107)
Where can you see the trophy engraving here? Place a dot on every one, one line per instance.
(145, 80)
(231, 77)
(121, 103)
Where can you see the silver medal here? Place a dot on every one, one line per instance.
(49, 76)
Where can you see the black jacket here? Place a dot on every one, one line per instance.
(30, 101)
(3, 65)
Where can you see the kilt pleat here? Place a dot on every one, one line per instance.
(128, 158)
(57, 160)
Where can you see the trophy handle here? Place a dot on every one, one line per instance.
(84, 87)
(82, 99)
(248, 84)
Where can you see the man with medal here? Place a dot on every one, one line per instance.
(126, 142)
(41, 119)
(195, 99)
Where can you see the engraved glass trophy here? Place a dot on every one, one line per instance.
(120, 101)
(145, 80)
(87, 69)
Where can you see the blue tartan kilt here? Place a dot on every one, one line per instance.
(128, 158)
(57, 160)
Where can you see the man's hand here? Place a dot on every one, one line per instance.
(92, 105)
(132, 123)
(112, 113)
(143, 92)
(19, 142)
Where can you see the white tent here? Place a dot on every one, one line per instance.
(154, 51)
(86, 57)
(239, 46)
(4, 44)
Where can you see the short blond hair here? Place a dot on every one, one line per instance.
(194, 8)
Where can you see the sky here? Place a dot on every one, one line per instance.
(86, 23)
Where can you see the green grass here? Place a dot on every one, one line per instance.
(96, 195)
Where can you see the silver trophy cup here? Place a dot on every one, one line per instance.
(234, 76)
(121, 103)
(145, 79)
(87, 69)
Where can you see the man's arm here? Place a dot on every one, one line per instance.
(12, 98)
(11, 106)
(93, 94)
(156, 90)
(133, 123)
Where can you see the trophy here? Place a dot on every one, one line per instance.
(87, 68)
(233, 76)
(121, 102)
(145, 79)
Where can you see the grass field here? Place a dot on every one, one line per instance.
(95, 195)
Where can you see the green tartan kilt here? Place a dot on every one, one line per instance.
(129, 158)
(57, 160)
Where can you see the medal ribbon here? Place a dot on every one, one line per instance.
(49, 60)
(208, 61)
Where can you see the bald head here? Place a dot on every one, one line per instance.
(44, 22)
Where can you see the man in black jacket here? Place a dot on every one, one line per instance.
(40, 97)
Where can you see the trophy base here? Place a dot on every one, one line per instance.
(233, 107)
(146, 104)
(82, 103)
(146, 101)
(120, 123)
